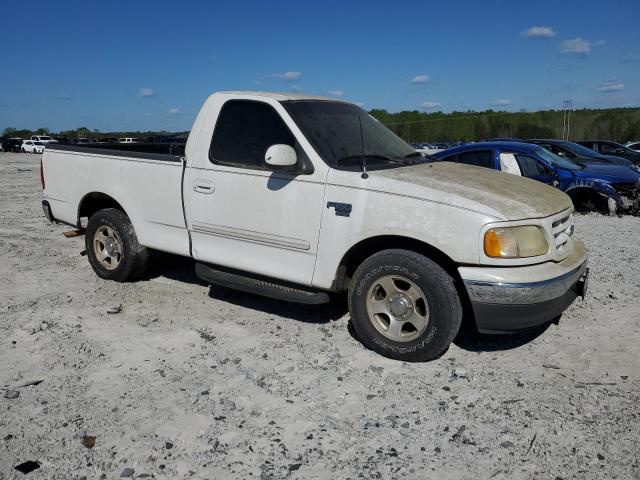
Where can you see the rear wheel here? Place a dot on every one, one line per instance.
(112, 246)
(404, 305)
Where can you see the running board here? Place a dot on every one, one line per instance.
(260, 285)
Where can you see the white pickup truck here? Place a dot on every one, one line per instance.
(295, 197)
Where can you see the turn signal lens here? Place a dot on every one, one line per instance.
(515, 242)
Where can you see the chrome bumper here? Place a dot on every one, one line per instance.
(515, 298)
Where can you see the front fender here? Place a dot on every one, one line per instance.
(451, 230)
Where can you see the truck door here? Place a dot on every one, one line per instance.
(243, 215)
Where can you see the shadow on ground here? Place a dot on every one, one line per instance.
(471, 340)
(174, 267)
(323, 313)
(182, 269)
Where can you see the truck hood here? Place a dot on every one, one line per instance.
(608, 172)
(501, 195)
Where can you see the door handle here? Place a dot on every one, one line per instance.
(203, 186)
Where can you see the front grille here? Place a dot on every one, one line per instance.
(562, 231)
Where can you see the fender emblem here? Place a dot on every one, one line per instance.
(342, 209)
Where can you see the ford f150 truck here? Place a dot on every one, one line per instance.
(295, 197)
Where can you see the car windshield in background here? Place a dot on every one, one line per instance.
(38, 143)
(45, 138)
(334, 130)
(555, 160)
(580, 149)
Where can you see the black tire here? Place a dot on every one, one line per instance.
(133, 258)
(444, 307)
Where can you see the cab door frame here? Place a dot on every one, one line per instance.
(259, 221)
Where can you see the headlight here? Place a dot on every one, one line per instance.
(515, 242)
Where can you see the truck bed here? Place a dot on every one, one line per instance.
(147, 185)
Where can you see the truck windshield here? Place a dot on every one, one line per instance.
(343, 134)
(555, 160)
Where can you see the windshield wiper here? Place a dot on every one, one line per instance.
(414, 154)
(368, 155)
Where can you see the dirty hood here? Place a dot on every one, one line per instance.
(499, 194)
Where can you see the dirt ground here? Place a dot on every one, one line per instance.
(188, 381)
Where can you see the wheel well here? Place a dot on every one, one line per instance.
(365, 248)
(582, 196)
(94, 201)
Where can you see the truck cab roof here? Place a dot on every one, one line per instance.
(279, 96)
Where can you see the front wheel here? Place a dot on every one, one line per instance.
(404, 306)
(112, 246)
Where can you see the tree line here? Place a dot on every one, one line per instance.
(617, 124)
(83, 132)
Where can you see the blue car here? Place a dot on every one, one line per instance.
(602, 187)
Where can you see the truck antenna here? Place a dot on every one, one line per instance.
(363, 162)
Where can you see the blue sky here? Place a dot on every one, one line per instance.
(149, 65)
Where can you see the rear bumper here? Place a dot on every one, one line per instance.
(516, 298)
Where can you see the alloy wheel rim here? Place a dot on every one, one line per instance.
(108, 247)
(397, 308)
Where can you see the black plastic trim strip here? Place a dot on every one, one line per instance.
(163, 157)
(260, 285)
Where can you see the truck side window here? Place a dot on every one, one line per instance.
(244, 131)
(529, 166)
(480, 158)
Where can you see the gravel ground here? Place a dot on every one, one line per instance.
(188, 381)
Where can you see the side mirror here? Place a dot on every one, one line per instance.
(619, 151)
(280, 157)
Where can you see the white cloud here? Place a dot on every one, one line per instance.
(335, 93)
(502, 102)
(611, 87)
(420, 79)
(146, 92)
(539, 31)
(174, 111)
(64, 96)
(576, 46)
(631, 58)
(429, 104)
(288, 76)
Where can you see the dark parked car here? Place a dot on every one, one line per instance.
(578, 153)
(604, 187)
(12, 144)
(605, 147)
(633, 145)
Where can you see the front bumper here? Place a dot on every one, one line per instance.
(510, 299)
